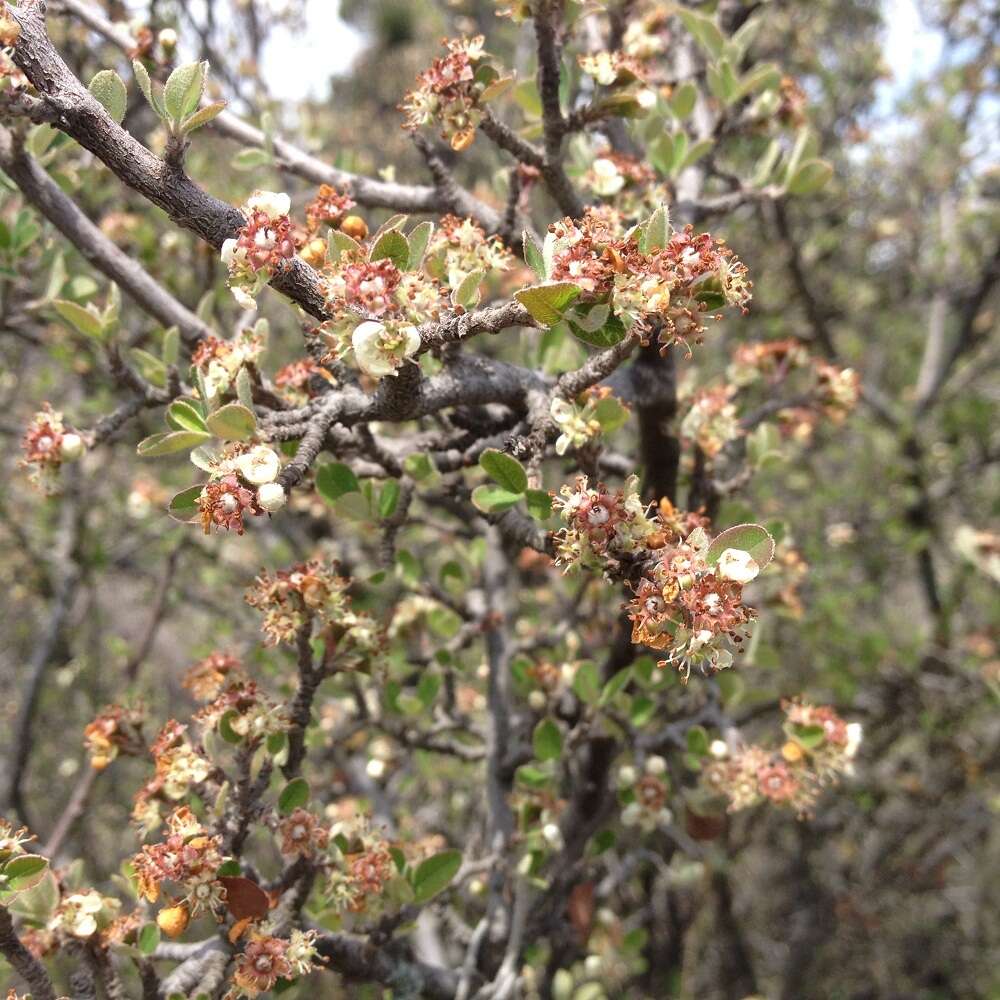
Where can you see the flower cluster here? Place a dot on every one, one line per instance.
(266, 960)
(644, 796)
(711, 421)
(218, 362)
(577, 422)
(46, 444)
(603, 529)
(302, 835)
(459, 247)
(693, 611)
(308, 592)
(82, 914)
(242, 485)
(451, 91)
(329, 207)
(179, 768)
(295, 380)
(208, 677)
(117, 730)
(245, 712)
(613, 173)
(264, 245)
(13, 839)
(837, 390)
(669, 287)
(188, 857)
(820, 746)
(611, 69)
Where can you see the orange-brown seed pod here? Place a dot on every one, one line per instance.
(355, 227)
(173, 920)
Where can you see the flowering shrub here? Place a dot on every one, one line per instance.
(501, 677)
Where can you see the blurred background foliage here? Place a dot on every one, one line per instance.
(891, 891)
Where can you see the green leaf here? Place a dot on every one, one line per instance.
(611, 333)
(250, 159)
(809, 736)
(696, 152)
(810, 177)
(25, 871)
(184, 505)
(539, 504)
(82, 320)
(657, 229)
(610, 414)
(244, 388)
(293, 796)
(587, 682)
(391, 245)
(226, 730)
(388, 499)
(183, 416)
(109, 88)
(419, 466)
(697, 741)
(505, 470)
(683, 99)
(467, 294)
(338, 243)
(435, 874)
(750, 538)
(151, 368)
(705, 30)
(765, 76)
(171, 345)
(546, 741)
(203, 116)
(149, 939)
(334, 479)
(549, 301)
(183, 88)
(533, 255)
(232, 422)
(419, 239)
(615, 686)
(169, 443)
(146, 86)
(494, 499)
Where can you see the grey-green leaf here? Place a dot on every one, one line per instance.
(505, 470)
(109, 88)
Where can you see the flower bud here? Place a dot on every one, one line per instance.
(626, 776)
(71, 448)
(656, 765)
(314, 252)
(355, 227)
(173, 920)
(737, 565)
(168, 40)
(259, 465)
(632, 814)
(792, 752)
(271, 497)
(719, 749)
(592, 965)
(552, 835)
(537, 700)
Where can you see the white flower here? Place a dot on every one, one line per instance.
(735, 564)
(632, 814)
(71, 447)
(626, 776)
(168, 38)
(553, 835)
(259, 465)
(607, 179)
(271, 497)
(380, 351)
(656, 765)
(243, 298)
(719, 749)
(272, 204)
(537, 700)
(854, 735)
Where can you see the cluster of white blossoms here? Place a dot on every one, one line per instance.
(261, 248)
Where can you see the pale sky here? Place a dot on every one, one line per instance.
(298, 65)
